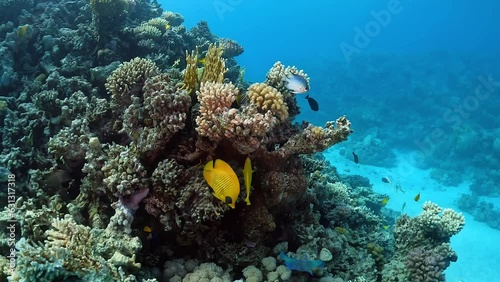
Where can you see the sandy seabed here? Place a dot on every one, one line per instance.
(477, 245)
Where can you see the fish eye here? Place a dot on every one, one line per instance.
(228, 200)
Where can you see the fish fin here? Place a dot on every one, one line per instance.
(307, 97)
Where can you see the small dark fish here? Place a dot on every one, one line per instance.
(297, 84)
(417, 197)
(356, 159)
(403, 207)
(386, 180)
(312, 103)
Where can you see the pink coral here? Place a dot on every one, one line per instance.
(219, 121)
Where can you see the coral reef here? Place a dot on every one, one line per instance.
(422, 248)
(111, 112)
(482, 210)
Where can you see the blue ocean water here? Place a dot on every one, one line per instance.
(418, 79)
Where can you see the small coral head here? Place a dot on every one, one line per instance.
(223, 181)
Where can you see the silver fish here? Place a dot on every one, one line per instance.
(297, 84)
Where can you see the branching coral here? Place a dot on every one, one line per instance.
(191, 71)
(278, 73)
(164, 193)
(266, 98)
(316, 139)
(422, 244)
(217, 120)
(109, 8)
(73, 250)
(124, 173)
(230, 48)
(215, 67)
(162, 113)
(127, 81)
(246, 126)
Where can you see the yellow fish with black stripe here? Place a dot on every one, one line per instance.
(223, 181)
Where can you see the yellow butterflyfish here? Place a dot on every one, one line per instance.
(247, 175)
(167, 26)
(384, 201)
(202, 61)
(21, 32)
(417, 197)
(223, 181)
(147, 229)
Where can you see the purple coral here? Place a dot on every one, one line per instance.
(426, 265)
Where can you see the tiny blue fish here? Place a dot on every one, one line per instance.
(297, 84)
(302, 265)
